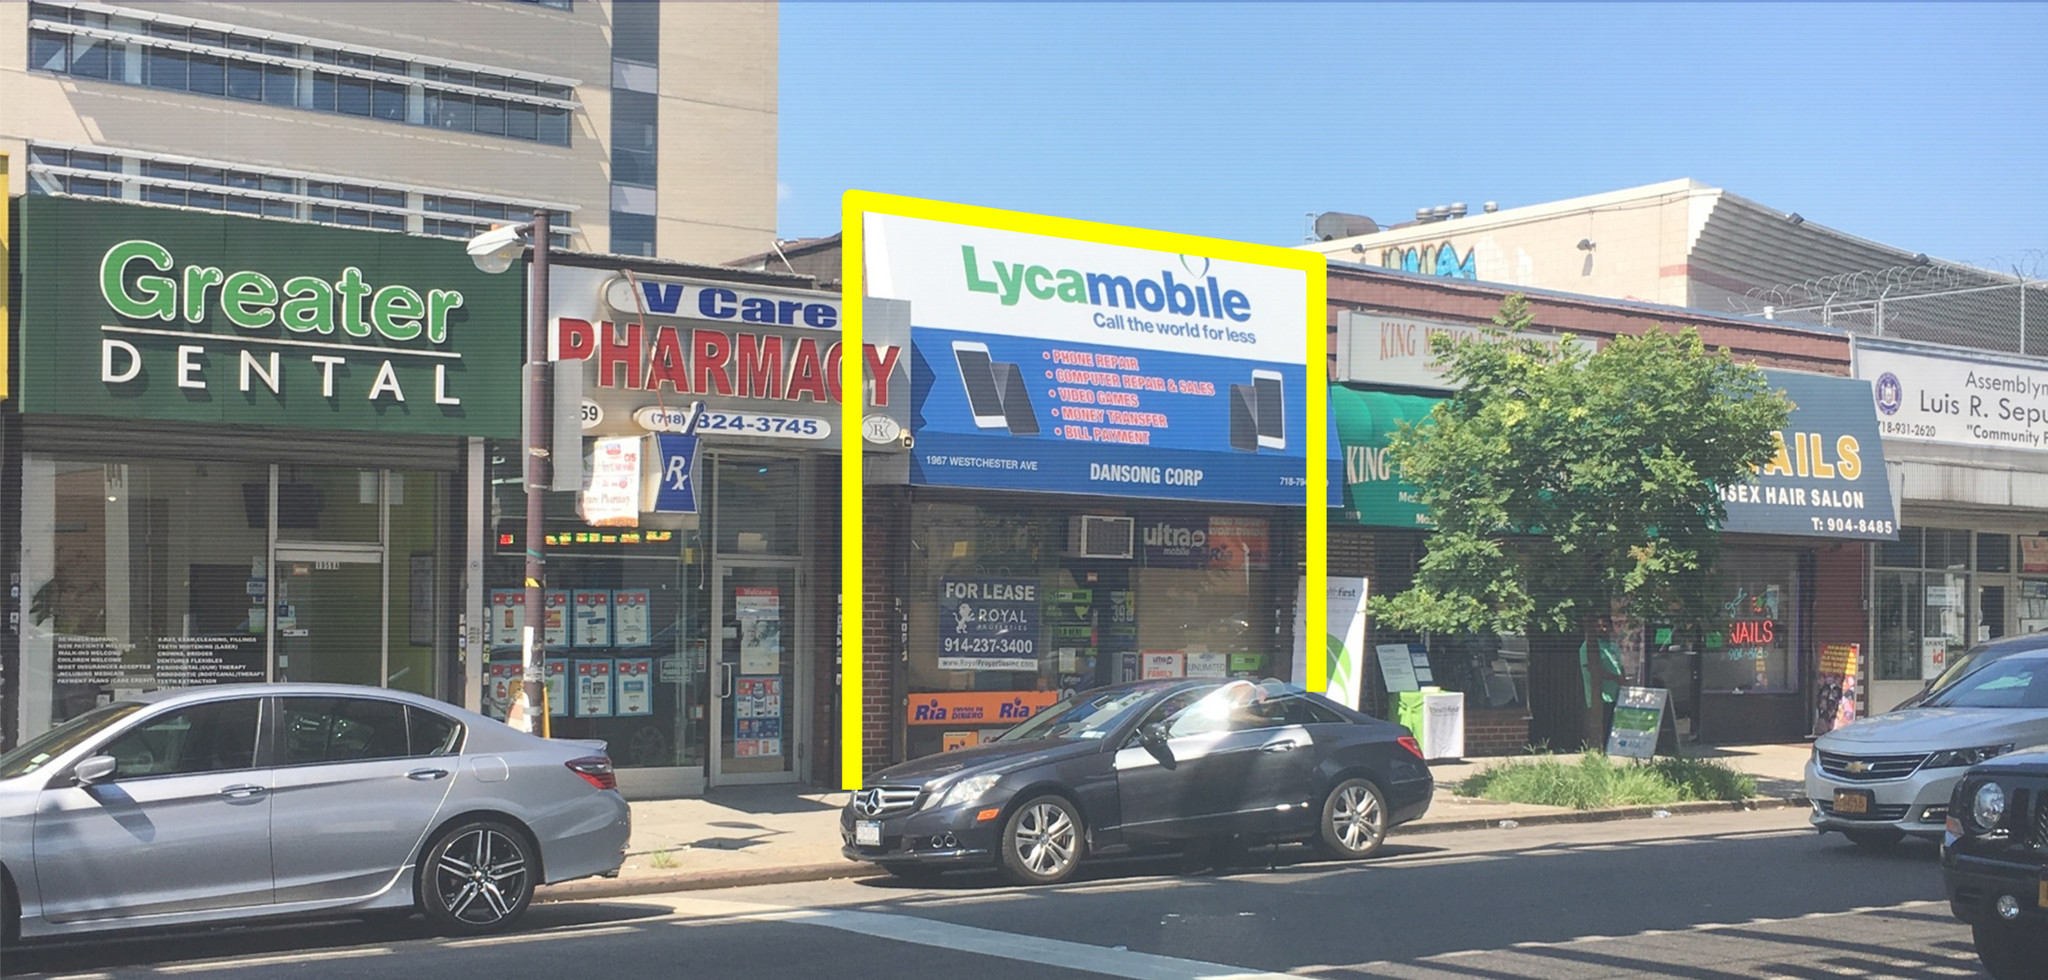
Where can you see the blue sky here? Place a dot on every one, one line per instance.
(1914, 125)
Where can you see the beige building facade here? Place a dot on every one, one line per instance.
(647, 128)
(1678, 243)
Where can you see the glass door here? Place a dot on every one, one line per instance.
(753, 693)
(327, 615)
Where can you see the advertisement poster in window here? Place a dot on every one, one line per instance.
(554, 630)
(557, 679)
(2034, 554)
(757, 716)
(593, 689)
(593, 626)
(1162, 665)
(759, 612)
(508, 618)
(420, 624)
(498, 687)
(636, 686)
(988, 624)
(1835, 702)
(629, 618)
(612, 497)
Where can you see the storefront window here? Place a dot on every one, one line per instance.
(1004, 615)
(627, 629)
(1929, 605)
(1754, 651)
(142, 574)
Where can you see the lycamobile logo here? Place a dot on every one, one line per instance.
(1014, 280)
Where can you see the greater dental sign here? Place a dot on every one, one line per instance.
(307, 306)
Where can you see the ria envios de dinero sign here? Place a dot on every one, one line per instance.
(140, 312)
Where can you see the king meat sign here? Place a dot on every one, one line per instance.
(153, 313)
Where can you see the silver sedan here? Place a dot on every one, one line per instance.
(213, 804)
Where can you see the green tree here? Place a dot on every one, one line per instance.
(1568, 485)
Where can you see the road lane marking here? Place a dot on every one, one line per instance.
(528, 937)
(204, 966)
(1704, 927)
(982, 942)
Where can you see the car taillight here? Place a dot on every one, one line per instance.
(595, 770)
(1408, 742)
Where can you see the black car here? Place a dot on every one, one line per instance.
(1126, 767)
(1994, 861)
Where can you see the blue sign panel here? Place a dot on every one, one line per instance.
(1025, 413)
(1828, 477)
(676, 493)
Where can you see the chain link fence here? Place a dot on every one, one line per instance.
(1942, 304)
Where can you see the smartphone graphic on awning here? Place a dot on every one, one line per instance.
(978, 376)
(1244, 422)
(1269, 408)
(1017, 411)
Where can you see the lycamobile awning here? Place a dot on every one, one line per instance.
(1365, 421)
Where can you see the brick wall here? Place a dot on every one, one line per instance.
(1491, 731)
(881, 630)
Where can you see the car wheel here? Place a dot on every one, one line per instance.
(2009, 954)
(1874, 840)
(1354, 821)
(915, 874)
(1042, 841)
(477, 877)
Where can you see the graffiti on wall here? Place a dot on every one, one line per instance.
(1432, 260)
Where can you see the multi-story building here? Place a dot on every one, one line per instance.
(646, 128)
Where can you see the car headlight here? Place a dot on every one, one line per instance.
(1988, 806)
(1966, 757)
(969, 790)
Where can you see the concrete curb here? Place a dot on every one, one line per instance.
(1607, 813)
(679, 881)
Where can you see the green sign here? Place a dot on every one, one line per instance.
(1375, 494)
(141, 312)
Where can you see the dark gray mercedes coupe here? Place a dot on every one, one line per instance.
(1127, 767)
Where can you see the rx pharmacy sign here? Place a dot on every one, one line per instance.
(137, 312)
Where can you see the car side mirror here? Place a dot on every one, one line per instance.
(94, 769)
(1153, 738)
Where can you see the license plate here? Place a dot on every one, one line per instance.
(1852, 801)
(867, 833)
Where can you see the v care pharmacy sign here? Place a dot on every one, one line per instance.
(1989, 401)
(1069, 366)
(138, 312)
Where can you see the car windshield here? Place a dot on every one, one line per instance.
(2015, 682)
(1092, 714)
(32, 754)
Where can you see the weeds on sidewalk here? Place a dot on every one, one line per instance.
(661, 859)
(1594, 780)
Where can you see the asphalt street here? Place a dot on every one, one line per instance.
(1704, 897)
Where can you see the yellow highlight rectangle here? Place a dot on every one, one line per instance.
(852, 503)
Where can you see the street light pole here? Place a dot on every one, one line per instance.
(539, 425)
(493, 252)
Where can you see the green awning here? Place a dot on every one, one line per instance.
(1374, 493)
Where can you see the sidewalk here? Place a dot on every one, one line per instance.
(751, 835)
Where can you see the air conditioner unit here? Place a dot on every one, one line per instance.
(1095, 536)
